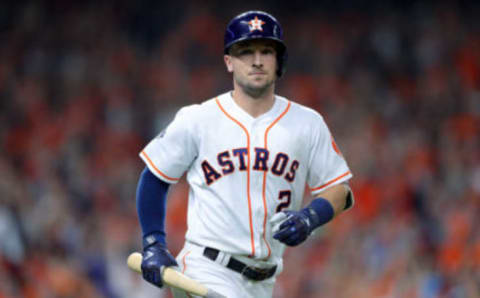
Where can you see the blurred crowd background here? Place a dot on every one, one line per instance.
(85, 86)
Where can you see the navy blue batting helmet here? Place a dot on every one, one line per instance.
(257, 25)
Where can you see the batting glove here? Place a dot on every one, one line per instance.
(298, 225)
(155, 257)
(295, 229)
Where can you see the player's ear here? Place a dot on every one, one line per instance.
(228, 62)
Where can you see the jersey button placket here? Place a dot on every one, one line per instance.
(253, 187)
(257, 189)
(253, 184)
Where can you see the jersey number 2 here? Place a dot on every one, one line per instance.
(284, 194)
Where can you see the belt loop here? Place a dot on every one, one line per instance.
(223, 258)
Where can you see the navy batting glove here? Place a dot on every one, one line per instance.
(295, 229)
(299, 224)
(155, 257)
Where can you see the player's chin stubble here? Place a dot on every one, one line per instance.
(254, 91)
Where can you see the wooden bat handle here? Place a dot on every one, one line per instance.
(170, 277)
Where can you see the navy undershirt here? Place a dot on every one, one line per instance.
(151, 206)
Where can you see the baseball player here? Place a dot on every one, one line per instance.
(248, 155)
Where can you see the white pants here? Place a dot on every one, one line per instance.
(219, 278)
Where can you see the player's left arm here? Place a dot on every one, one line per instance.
(340, 197)
(328, 174)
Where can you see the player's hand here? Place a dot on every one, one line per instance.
(294, 228)
(155, 257)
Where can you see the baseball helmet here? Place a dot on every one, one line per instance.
(257, 25)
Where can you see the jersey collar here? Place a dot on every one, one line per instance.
(236, 111)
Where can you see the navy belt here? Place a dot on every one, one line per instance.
(253, 273)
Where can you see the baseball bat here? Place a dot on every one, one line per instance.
(174, 278)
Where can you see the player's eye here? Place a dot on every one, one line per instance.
(268, 51)
(243, 52)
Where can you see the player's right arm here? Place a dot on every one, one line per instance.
(151, 209)
(167, 157)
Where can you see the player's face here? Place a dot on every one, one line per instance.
(253, 64)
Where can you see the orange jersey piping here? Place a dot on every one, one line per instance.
(265, 178)
(156, 169)
(331, 181)
(252, 239)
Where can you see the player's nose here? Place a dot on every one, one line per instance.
(257, 58)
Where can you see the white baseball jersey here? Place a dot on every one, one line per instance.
(242, 170)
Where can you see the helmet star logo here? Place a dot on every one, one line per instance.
(255, 24)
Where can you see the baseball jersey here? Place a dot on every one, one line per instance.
(242, 170)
